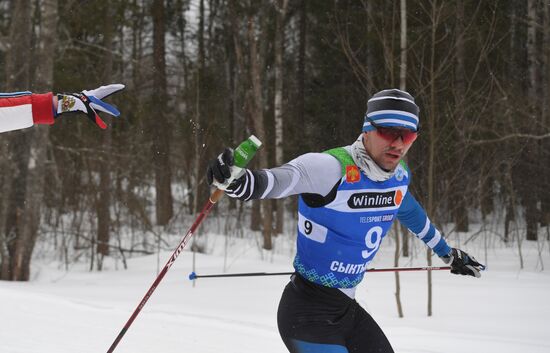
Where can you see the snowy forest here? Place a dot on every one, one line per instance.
(203, 75)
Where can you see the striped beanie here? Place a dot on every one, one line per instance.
(391, 108)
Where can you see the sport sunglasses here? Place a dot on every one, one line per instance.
(391, 134)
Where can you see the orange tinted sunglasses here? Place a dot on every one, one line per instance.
(391, 134)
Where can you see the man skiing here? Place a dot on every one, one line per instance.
(20, 110)
(349, 197)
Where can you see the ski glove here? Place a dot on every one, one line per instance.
(237, 183)
(462, 263)
(89, 102)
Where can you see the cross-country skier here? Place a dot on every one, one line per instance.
(349, 197)
(20, 110)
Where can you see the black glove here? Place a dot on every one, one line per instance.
(463, 264)
(221, 173)
(220, 168)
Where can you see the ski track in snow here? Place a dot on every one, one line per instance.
(477, 340)
(209, 320)
(205, 320)
(506, 311)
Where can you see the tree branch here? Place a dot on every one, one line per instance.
(509, 137)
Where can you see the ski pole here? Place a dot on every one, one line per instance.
(193, 275)
(243, 154)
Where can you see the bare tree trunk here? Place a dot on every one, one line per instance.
(254, 102)
(258, 119)
(256, 216)
(47, 44)
(17, 78)
(39, 140)
(486, 191)
(137, 26)
(17, 58)
(512, 71)
(103, 204)
(201, 121)
(301, 74)
(197, 122)
(510, 200)
(240, 78)
(402, 86)
(371, 56)
(234, 16)
(531, 151)
(545, 111)
(28, 185)
(398, 236)
(236, 64)
(281, 8)
(432, 141)
(460, 210)
(403, 45)
(161, 128)
(5, 183)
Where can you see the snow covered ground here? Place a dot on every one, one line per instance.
(507, 310)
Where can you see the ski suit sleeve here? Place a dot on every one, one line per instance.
(313, 173)
(413, 216)
(20, 110)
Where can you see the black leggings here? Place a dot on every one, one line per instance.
(317, 319)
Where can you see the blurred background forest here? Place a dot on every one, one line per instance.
(204, 74)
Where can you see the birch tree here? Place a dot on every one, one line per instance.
(253, 34)
(531, 151)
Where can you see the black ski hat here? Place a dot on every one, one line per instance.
(391, 108)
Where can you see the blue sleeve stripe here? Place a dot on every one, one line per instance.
(425, 230)
(432, 236)
(435, 239)
(413, 216)
(436, 242)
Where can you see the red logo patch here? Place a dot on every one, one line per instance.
(352, 174)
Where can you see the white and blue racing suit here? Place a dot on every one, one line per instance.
(343, 217)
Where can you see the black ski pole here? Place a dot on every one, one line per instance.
(193, 275)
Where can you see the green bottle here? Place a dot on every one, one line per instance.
(241, 155)
(245, 151)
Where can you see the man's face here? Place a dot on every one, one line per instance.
(385, 151)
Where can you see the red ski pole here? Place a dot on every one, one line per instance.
(215, 197)
(243, 154)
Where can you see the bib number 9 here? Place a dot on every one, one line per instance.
(312, 230)
(372, 241)
(308, 227)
